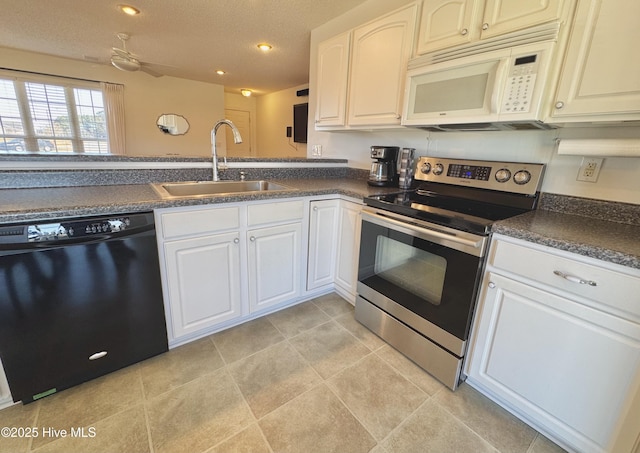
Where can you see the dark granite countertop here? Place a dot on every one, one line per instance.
(17, 205)
(584, 230)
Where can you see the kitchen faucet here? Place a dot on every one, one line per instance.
(236, 138)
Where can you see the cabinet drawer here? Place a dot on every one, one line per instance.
(275, 212)
(201, 221)
(615, 290)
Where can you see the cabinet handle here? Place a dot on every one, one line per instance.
(98, 355)
(492, 285)
(252, 238)
(315, 208)
(485, 26)
(464, 31)
(236, 241)
(574, 279)
(559, 104)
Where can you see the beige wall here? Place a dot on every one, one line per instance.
(146, 98)
(619, 178)
(275, 113)
(234, 101)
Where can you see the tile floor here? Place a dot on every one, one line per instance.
(306, 379)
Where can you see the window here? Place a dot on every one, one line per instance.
(52, 115)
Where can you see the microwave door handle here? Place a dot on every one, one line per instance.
(499, 77)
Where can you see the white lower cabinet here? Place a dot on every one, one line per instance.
(348, 249)
(334, 241)
(5, 393)
(323, 238)
(222, 264)
(203, 279)
(274, 265)
(567, 364)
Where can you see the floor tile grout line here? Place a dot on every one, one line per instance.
(35, 423)
(148, 426)
(364, 426)
(468, 427)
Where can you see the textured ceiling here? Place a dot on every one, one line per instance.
(181, 38)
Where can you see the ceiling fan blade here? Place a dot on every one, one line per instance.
(145, 68)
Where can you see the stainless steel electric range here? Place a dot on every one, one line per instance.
(422, 253)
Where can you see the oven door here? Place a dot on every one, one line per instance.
(425, 277)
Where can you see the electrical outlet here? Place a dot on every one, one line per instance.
(589, 169)
(316, 151)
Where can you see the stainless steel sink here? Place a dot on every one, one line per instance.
(210, 188)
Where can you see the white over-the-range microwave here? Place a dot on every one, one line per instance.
(495, 90)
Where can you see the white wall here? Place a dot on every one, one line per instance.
(146, 98)
(619, 178)
(275, 114)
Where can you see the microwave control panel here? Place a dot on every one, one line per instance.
(520, 84)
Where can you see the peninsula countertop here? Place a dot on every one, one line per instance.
(611, 241)
(18, 205)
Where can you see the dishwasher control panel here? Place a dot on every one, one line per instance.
(66, 229)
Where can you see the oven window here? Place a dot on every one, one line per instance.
(417, 271)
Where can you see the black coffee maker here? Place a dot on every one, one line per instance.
(384, 168)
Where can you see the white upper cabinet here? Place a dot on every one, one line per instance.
(380, 54)
(600, 78)
(449, 23)
(361, 73)
(333, 73)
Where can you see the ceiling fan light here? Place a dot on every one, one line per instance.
(125, 64)
(130, 10)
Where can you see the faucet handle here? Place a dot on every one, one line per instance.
(224, 166)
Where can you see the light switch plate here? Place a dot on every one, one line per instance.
(316, 151)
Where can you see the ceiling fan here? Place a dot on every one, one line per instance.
(126, 61)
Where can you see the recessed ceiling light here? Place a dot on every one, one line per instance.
(265, 47)
(220, 72)
(130, 10)
(245, 92)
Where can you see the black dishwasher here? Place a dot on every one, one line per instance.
(79, 298)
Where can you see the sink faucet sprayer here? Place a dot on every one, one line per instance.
(236, 138)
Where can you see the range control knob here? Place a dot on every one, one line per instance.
(438, 169)
(522, 177)
(503, 175)
(426, 168)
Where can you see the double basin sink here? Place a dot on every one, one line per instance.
(211, 188)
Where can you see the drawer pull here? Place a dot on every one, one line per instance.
(97, 355)
(574, 279)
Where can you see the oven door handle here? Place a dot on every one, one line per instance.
(473, 247)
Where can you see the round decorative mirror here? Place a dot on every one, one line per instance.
(172, 124)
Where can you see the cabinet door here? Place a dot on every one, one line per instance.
(380, 54)
(323, 229)
(203, 279)
(601, 73)
(333, 72)
(448, 23)
(5, 392)
(504, 16)
(274, 265)
(348, 247)
(570, 368)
